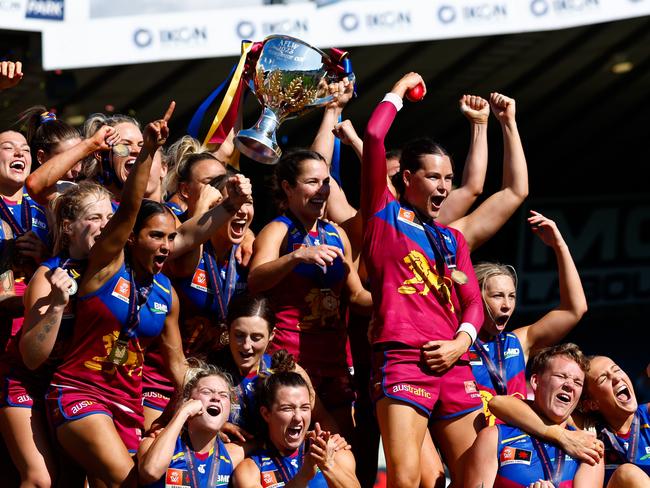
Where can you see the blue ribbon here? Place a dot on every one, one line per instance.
(335, 169)
(197, 118)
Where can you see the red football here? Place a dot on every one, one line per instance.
(416, 93)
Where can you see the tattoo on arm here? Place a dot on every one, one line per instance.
(48, 323)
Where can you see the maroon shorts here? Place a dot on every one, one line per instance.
(16, 393)
(155, 399)
(66, 404)
(400, 374)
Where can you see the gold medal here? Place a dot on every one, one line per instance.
(459, 277)
(224, 338)
(73, 287)
(120, 352)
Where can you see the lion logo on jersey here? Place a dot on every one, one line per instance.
(425, 276)
(133, 363)
(324, 306)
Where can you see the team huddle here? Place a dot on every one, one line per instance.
(149, 338)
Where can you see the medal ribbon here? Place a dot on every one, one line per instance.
(547, 466)
(8, 217)
(214, 468)
(283, 471)
(306, 241)
(635, 429)
(137, 298)
(497, 372)
(443, 255)
(223, 290)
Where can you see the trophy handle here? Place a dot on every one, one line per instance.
(325, 100)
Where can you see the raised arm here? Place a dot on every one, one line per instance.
(155, 453)
(339, 209)
(481, 224)
(46, 298)
(324, 140)
(10, 74)
(198, 229)
(557, 323)
(106, 255)
(579, 444)
(41, 184)
(373, 171)
(477, 111)
(348, 136)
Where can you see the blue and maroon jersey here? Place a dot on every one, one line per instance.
(11, 363)
(415, 299)
(101, 317)
(619, 448)
(505, 354)
(276, 471)
(75, 269)
(175, 208)
(178, 475)
(307, 305)
(201, 308)
(38, 223)
(520, 462)
(245, 412)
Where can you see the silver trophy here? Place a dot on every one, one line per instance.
(289, 78)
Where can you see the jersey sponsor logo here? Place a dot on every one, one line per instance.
(177, 478)
(23, 399)
(223, 479)
(122, 290)
(78, 407)
(200, 280)
(201, 468)
(269, 480)
(514, 455)
(474, 358)
(511, 352)
(159, 308)
(413, 390)
(646, 456)
(408, 217)
(470, 387)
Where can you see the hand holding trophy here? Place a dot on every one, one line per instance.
(289, 78)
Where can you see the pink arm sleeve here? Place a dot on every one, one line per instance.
(469, 293)
(373, 171)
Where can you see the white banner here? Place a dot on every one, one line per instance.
(78, 40)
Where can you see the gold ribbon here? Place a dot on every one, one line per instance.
(230, 94)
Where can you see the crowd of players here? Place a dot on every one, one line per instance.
(149, 338)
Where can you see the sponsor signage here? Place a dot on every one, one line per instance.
(609, 243)
(212, 32)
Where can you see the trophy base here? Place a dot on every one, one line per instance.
(260, 149)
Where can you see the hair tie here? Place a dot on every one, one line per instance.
(47, 117)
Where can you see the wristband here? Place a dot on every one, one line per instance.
(394, 99)
(469, 329)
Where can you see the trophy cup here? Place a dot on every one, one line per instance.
(289, 78)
